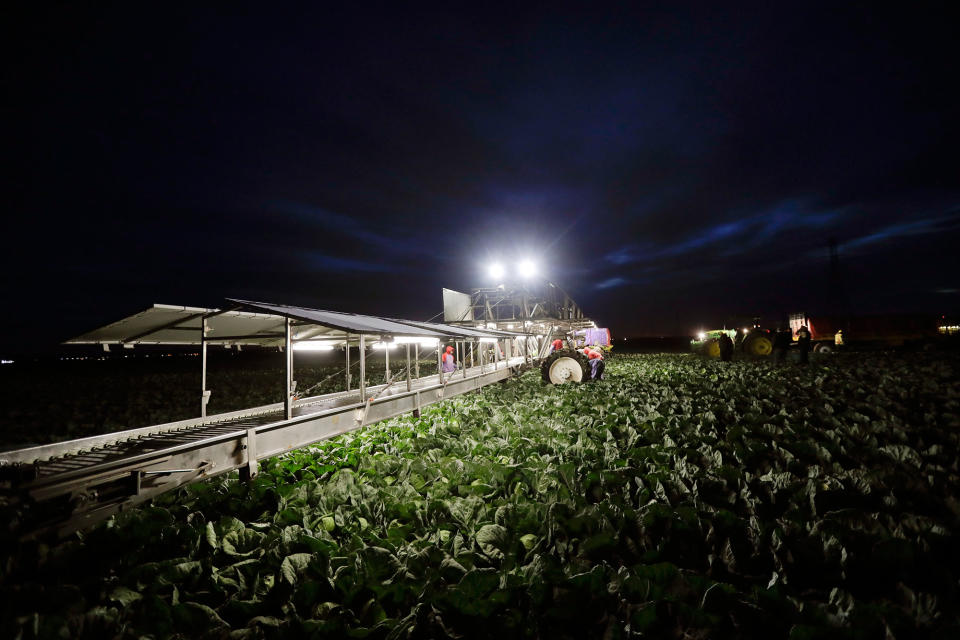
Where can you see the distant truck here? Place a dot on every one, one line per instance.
(828, 333)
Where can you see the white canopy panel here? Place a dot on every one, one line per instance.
(346, 322)
(263, 325)
(165, 324)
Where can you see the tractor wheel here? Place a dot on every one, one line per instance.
(565, 366)
(711, 348)
(757, 345)
(823, 347)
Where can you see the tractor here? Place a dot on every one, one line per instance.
(754, 342)
(568, 364)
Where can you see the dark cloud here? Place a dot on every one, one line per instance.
(668, 166)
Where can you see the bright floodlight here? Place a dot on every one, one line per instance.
(702, 336)
(495, 270)
(314, 345)
(527, 269)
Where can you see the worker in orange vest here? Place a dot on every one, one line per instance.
(556, 345)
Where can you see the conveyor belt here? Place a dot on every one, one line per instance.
(96, 477)
(47, 460)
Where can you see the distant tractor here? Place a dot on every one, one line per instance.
(754, 342)
(884, 331)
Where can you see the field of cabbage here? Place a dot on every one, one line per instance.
(678, 498)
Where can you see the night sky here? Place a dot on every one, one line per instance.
(668, 167)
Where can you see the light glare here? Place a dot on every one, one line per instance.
(314, 346)
(496, 270)
(527, 269)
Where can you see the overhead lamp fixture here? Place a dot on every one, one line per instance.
(314, 345)
(527, 269)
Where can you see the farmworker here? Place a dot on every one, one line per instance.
(596, 363)
(803, 341)
(726, 348)
(781, 342)
(838, 338)
(448, 365)
(556, 345)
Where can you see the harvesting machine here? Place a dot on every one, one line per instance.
(545, 311)
(66, 486)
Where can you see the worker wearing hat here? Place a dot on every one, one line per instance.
(597, 365)
(448, 364)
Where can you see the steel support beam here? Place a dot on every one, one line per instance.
(348, 362)
(409, 385)
(363, 368)
(204, 394)
(249, 445)
(277, 334)
(288, 369)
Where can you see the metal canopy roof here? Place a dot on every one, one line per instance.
(357, 323)
(262, 324)
(466, 332)
(165, 324)
(346, 322)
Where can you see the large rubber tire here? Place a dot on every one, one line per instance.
(758, 345)
(823, 347)
(564, 366)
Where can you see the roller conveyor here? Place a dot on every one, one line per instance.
(64, 487)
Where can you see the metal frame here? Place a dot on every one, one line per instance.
(542, 310)
(205, 448)
(93, 478)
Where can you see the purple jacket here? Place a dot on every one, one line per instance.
(448, 365)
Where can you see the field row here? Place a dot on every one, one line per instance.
(678, 498)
